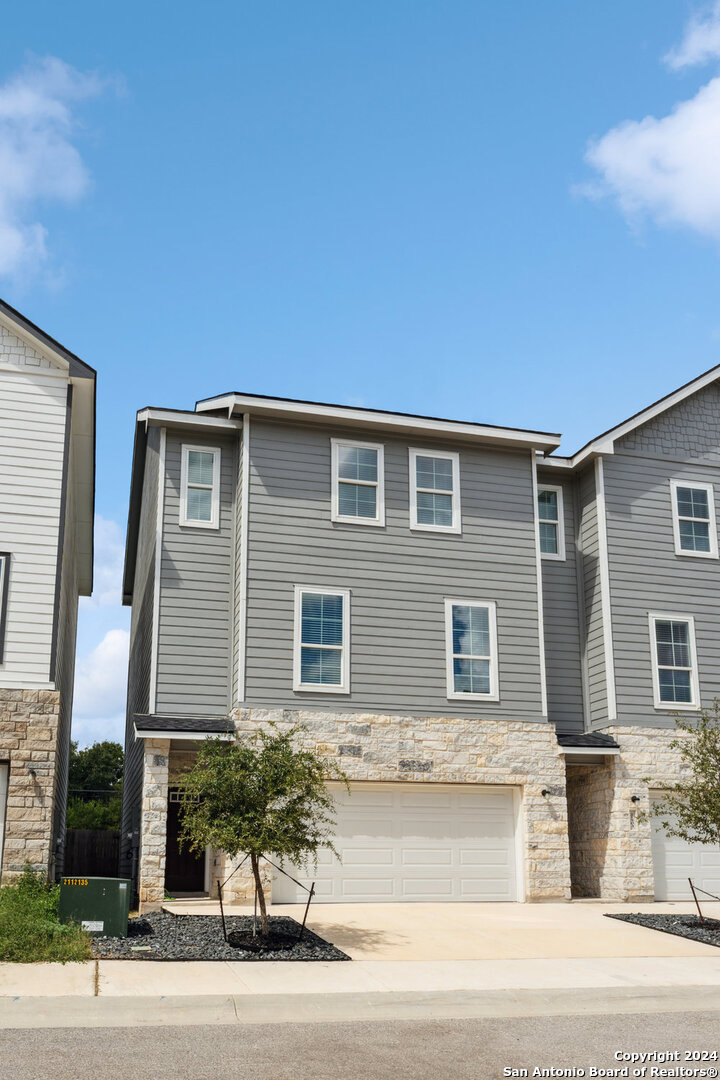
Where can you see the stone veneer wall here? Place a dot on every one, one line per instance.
(371, 746)
(28, 740)
(610, 835)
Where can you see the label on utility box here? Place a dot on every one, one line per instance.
(92, 926)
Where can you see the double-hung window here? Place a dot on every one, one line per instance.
(471, 644)
(675, 676)
(322, 639)
(4, 589)
(200, 487)
(358, 482)
(550, 522)
(694, 523)
(435, 491)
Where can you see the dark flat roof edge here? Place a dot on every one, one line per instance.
(379, 412)
(589, 738)
(219, 725)
(87, 372)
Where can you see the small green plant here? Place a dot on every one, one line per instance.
(260, 796)
(29, 927)
(691, 809)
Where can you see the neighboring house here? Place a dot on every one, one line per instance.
(491, 639)
(47, 450)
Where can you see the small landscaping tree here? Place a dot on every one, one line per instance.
(260, 796)
(691, 809)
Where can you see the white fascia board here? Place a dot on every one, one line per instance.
(365, 418)
(184, 735)
(553, 462)
(594, 751)
(172, 419)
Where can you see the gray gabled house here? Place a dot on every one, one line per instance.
(47, 494)
(491, 638)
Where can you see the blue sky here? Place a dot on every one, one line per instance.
(489, 211)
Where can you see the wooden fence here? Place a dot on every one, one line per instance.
(92, 853)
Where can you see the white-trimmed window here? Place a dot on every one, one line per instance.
(4, 579)
(694, 524)
(322, 640)
(471, 644)
(435, 491)
(200, 487)
(675, 675)
(550, 522)
(358, 482)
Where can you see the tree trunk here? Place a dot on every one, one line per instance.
(254, 862)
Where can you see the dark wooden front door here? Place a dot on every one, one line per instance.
(184, 870)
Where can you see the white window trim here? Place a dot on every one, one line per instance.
(456, 527)
(674, 706)
(335, 514)
(712, 524)
(452, 693)
(214, 522)
(318, 688)
(558, 556)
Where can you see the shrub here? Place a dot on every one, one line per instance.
(29, 927)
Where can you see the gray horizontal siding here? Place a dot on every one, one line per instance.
(647, 575)
(397, 578)
(196, 585)
(563, 662)
(591, 638)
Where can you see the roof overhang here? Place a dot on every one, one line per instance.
(178, 418)
(156, 726)
(237, 404)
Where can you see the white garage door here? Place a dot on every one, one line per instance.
(405, 842)
(675, 860)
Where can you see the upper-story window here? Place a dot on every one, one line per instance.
(4, 579)
(435, 491)
(694, 523)
(675, 677)
(358, 482)
(322, 639)
(471, 645)
(200, 487)
(550, 522)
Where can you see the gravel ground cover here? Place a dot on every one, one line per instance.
(688, 926)
(162, 936)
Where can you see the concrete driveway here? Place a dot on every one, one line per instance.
(384, 932)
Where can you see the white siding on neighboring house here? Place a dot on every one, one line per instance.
(33, 407)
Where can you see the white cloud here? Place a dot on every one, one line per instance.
(668, 168)
(38, 161)
(701, 41)
(100, 689)
(108, 569)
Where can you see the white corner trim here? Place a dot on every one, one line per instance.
(319, 688)
(458, 695)
(160, 516)
(449, 455)
(674, 706)
(193, 523)
(559, 556)
(605, 603)
(243, 568)
(712, 521)
(335, 515)
(538, 574)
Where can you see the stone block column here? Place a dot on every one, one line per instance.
(153, 823)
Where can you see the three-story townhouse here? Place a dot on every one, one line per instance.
(491, 638)
(47, 451)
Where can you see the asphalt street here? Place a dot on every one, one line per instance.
(425, 1049)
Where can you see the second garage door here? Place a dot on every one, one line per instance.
(676, 860)
(415, 842)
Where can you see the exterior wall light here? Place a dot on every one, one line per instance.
(634, 798)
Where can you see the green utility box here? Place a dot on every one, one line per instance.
(100, 904)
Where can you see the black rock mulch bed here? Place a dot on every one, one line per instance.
(688, 926)
(162, 936)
